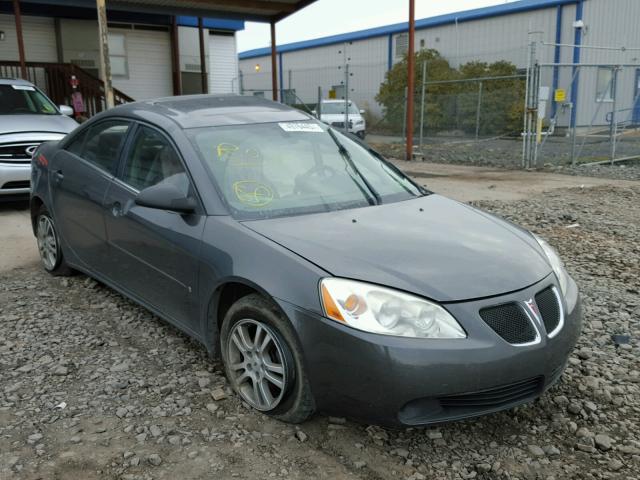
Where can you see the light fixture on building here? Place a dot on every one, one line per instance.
(1, 36)
(257, 67)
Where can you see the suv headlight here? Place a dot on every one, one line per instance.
(555, 262)
(385, 311)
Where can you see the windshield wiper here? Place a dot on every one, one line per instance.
(347, 158)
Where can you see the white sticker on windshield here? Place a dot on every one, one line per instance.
(300, 127)
(23, 87)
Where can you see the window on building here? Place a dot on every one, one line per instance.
(402, 44)
(118, 55)
(422, 43)
(604, 87)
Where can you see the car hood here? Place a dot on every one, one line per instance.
(36, 123)
(431, 246)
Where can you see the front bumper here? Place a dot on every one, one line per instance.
(14, 178)
(400, 381)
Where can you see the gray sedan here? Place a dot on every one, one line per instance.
(324, 278)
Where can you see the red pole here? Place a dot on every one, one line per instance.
(410, 78)
(18, 19)
(274, 74)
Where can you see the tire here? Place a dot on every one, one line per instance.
(361, 134)
(293, 401)
(49, 245)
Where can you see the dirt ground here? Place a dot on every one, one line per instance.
(95, 387)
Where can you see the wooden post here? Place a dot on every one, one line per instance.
(274, 73)
(203, 65)
(18, 20)
(105, 63)
(410, 78)
(175, 57)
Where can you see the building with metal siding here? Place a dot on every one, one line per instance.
(488, 34)
(147, 50)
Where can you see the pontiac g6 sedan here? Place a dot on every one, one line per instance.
(324, 278)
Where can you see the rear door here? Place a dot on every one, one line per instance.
(80, 175)
(154, 252)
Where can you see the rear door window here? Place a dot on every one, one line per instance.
(102, 145)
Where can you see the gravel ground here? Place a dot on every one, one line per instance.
(94, 387)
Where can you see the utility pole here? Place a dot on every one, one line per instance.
(18, 19)
(424, 84)
(105, 63)
(410, 79)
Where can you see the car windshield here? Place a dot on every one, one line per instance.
(292, 168)
(335, 108)
(24, 99)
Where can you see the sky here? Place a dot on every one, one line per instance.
(329, 17)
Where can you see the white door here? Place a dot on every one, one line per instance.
(223, 64)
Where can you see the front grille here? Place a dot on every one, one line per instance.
(17, 152)
(16, 184)
(496, 397)
(549, 308)
(511, 322)
(337, 124)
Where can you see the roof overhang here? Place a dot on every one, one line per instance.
(250, 10)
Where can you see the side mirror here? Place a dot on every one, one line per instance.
(66, 110)
(165, 196)
(362, 112)
(314, 112)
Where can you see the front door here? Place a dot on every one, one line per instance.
(81, 174)
(154, 252)
(636, 99)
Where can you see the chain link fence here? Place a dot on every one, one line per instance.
(479, 112)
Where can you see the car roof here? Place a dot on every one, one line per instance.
(14, 81)
(192, 111)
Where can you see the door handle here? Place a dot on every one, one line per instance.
(116, 209)
(58, 175)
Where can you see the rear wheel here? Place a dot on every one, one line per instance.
(263, 361)
(49, 245)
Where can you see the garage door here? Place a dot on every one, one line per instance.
(148, 57)
(223, 64)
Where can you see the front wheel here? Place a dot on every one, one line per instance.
(263, 362)
(361, 134)
(49, 245)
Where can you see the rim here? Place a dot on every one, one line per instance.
(47, 242)
(257, 365)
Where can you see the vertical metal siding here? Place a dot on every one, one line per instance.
(223, 64)
(39, 39)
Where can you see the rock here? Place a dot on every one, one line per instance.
(615, 465)
(154, 459)
(155, 431)
(34, 438)
(300, 435)
(535, 450)
(61, 370)
(359, 464)
(218, 394)
(603, 442)
(121, 412)
(212, 407)
(401, 452)
(120, 367)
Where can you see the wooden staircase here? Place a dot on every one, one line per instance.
(55, 80)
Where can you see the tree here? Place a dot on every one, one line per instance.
(453, 106)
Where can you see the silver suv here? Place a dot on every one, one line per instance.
(27, 118)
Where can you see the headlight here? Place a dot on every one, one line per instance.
(382, 310)
(359, 122)
(555, 262)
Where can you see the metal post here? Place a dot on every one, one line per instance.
(410, 78)
(424, 80)
(319, 106)
(290, 89)
(105, 63)
(241, 82)
(274, 74)
(525, 120)
(175, 57)
(478, 110)
(574, 118)
(404, 115)
(346, 98)
(614, 114)
(203, 62)
(18, 20)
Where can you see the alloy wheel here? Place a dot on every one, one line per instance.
(257, 364)
(47, 242)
